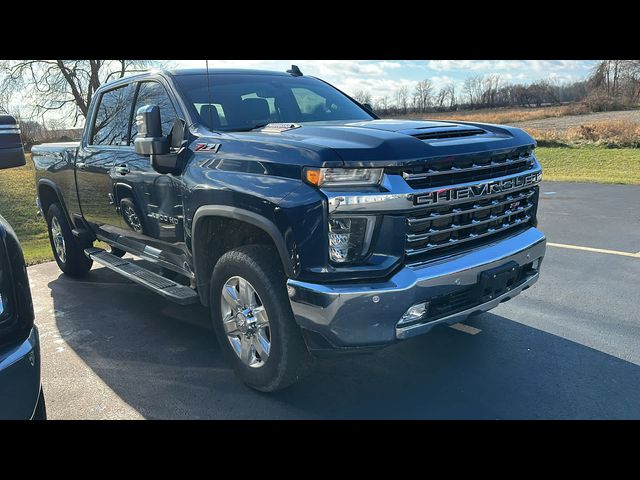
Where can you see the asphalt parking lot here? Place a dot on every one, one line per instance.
(567, 348)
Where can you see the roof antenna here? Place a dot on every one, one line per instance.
(295, 71)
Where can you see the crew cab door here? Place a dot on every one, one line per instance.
(104, 145)
(150, 203)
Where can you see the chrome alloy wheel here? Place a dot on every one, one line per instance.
(245, 322)
(132, 219)
(58, 239)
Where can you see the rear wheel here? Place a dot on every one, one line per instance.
(68, 251)
(253, 319)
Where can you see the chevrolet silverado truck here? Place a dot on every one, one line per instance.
(21, 396)
(306, 224)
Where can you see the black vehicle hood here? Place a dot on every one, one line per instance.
(395, 142)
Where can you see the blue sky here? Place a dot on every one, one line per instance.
(384, 77)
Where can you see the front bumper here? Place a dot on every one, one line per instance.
(362, 315)
(20, 379)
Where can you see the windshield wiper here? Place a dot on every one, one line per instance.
(248, 129)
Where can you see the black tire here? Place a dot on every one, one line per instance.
(131, 215)
(40, 413)
(75, 263)
(289, 359)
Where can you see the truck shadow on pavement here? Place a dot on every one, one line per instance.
(161, 360)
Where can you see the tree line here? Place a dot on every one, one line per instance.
(67, 87)
(612, 84)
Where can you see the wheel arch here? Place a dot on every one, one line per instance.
(204, 259)
(48, 194)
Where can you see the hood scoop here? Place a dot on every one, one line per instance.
(454, 132)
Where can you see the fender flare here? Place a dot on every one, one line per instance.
(246, 216)
(51, 184)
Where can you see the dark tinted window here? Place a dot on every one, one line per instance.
(111, 126)
(248, 100)
(152, 93)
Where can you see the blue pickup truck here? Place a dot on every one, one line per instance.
(304, 222)
(21, 395)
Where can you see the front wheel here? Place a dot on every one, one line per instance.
(253, 319)
(67, 250)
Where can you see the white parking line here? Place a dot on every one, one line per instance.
(595, 250)
(465, 328)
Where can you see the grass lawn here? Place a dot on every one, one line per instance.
(583, 164)
(590, 164)
(17, 205)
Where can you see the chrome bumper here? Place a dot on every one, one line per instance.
(362, 315)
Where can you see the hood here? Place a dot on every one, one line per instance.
(398, 142)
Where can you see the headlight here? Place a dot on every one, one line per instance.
(343, 177)
(349, 237)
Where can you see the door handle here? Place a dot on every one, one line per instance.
(122, 169)
(81, 165)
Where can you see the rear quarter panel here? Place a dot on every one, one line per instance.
(54, 165)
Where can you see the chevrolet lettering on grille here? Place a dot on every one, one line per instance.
(445, 195)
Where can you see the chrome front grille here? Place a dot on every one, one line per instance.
(465, 169)
(442, 228)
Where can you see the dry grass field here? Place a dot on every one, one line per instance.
(506, 116)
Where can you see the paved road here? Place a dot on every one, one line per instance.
(567, 348)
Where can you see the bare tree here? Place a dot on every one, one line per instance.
(384, 103)
(65, 86)
(489, 90)
(5, 100)
(451, 95)
(31, 132)
(473, 90)
(422, 95)
(446, 97)
(362, 96)
(402, 99)
(616, 79)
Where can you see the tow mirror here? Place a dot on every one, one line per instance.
(149, 140)
(368, 107)
(11, 151)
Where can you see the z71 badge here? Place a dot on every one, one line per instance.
(207, 147)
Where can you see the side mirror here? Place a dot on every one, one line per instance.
(368, 107)
(149, 140)
(11, 151)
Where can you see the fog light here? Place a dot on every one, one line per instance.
(339, 239)
(349, 237)
(415, 313)
(535, 265)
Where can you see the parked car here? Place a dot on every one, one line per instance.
(21, 395)
(306, 224)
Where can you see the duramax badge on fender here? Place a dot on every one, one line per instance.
(306, 224)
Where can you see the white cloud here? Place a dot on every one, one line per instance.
(380, 78)
(384, 78)
(474, 65)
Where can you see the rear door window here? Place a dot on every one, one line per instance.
(111, 125)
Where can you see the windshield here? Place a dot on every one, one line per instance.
(244, 102)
